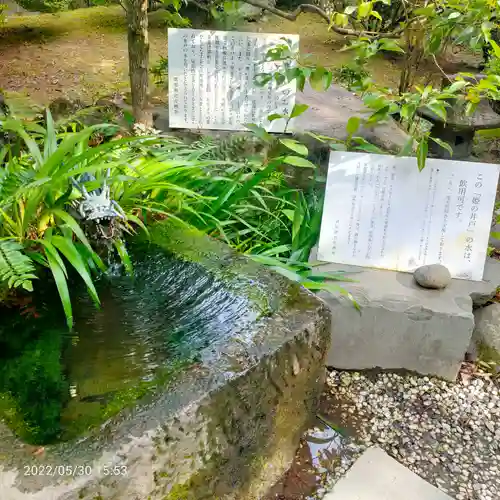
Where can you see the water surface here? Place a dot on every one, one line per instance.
(56, 385)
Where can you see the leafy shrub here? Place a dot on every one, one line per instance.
(248, 204)
(160, 72)
(3, 8)
(350, 76)
(36, 191)
(45, 5)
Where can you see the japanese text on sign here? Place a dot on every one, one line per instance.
(380, 211)
(211, 80)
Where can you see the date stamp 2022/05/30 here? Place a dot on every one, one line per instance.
(75, 470)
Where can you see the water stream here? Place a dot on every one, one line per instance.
(56, 385)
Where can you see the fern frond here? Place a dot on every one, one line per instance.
(16, 268)
(13, 175)
(233, 148)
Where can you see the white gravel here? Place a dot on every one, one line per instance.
(447, 433)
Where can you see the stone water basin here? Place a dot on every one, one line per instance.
(194, 380)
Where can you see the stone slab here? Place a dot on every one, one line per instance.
(377, 476)
(329, 112)
(400, 325)
(226, 428)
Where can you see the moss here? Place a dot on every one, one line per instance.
(128, 397)
(487, 353)
(178, 492)
(34, 389)
(79, 424)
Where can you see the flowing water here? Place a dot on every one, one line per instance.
(55, 385)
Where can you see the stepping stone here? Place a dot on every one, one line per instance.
(377, 476)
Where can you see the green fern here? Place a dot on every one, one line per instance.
(16, 268)
(233, 148)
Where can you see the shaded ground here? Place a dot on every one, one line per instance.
(83, 53)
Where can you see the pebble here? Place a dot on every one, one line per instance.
(448, 442)
(434, 276)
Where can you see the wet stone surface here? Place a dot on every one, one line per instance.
(226, 425)
(446, 432)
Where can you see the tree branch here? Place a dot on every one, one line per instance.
(122, 5)
(314, 9)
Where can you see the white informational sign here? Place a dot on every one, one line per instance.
(211, 80)
(380, 211)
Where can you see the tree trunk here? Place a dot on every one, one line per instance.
(138, 56)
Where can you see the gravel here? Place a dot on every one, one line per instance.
(447, 433)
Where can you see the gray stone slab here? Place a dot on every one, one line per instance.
(227, 428)
(401, 325)
(377, 476)
(329, 112)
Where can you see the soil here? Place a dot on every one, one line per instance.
(83, 53)
(77, 54)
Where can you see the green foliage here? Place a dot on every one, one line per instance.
(305, 274)
(171, 15)
(227, 15)
(36, 192)
(235, 190)
(231, 148)
(350, 76)
(3, 8)
(45, 5)
(16, 268)
(160, 72)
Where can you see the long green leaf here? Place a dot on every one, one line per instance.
(295, 146)
(50, 142)
(298, 161)
(124, 256)
(49, 248)
(74, 226)
(61, 282)
(422, 149)
(67, 248)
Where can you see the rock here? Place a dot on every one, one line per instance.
(161, 119)
(494, 241)
(377, 476)
(482, 294)
(250, 12)
(446, 442)
(487, 325)
(64, 108)
(434, 276)
(329, 112)
(401, 325)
